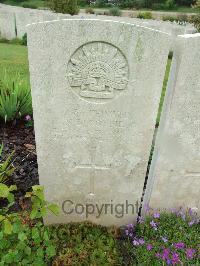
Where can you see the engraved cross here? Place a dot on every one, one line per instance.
(93, 169)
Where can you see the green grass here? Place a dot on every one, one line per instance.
(163, 90)
(14, 60)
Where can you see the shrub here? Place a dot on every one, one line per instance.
(24, 39)
(139, 4)
(115, 11)
(197, 4)
(64, 6)
(185, 2)
(145, 15)
(83, 3)
(169, 18)
(195, 20)
(89, 10)
(6, 167)
(164, 238)
(29, 5)
(15, 98)
(23, 239)
(169, 4)
(100, 3)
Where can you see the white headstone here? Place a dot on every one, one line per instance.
(25, 17)
(7, 25)
(96, 87)
(174, 178)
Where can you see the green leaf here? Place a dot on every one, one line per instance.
(12, 188)
(11, 197)
(4, 191)
(54, 208)
(51, 251)
(27, 251)
(2, 218)
(37, 188)
(22, 236)
(43, 211)
(33, 214)
(7, 227)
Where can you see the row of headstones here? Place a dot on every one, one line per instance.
(96, 87)
(13, 21)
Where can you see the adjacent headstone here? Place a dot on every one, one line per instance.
(7, 25)
(96, 87)
(25, 17)
(174, 178)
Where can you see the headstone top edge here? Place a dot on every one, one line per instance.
(99, 20)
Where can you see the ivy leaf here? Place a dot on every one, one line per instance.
(7, 227)
(54, 208)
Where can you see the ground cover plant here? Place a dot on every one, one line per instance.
(163, 238)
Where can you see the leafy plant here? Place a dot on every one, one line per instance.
(89, 10)
(145, 15)
(164, 238)
(6, 167)
(115, 11)
(64, 6)
(24, 240)
(195, 19)
(15, 98)
(85, 244)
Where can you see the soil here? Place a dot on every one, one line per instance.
(21, 139)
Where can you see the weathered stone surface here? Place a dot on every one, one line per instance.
(25, 17)
(174, 179)
(7, 24)
(96, 87)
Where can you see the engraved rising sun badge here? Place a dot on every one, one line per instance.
(98, 70)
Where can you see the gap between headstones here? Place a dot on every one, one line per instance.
(162, 97)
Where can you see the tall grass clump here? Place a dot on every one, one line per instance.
(15, 97)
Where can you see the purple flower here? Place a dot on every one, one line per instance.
(179, 245)
(28, 118)
(191, 223)
(147, 208)
(156, 215)
(126, 232)
(129, 226)
(190, 253)
(153, 224)
(136, 243)
(190, 212)
(149, 247)
(164, 239)
(141, 241)
(168, 262)
(175, 258)
(173, 210)
(140, 219)
(165, 255)
(131, 235)
(157, 255)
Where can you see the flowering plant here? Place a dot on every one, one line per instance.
(164, 238)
